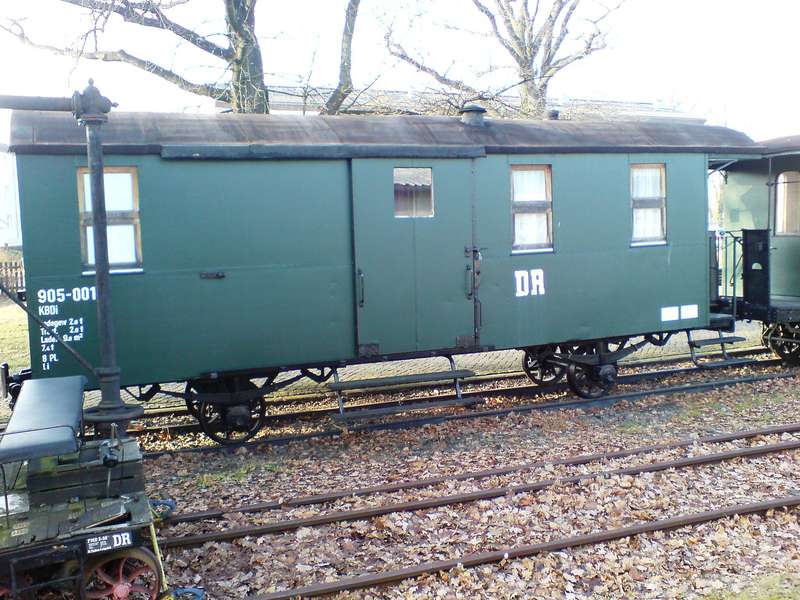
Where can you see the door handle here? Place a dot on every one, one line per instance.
(360, 288)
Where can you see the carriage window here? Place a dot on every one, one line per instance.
(532, 207)
(787, 203)
(413, 192)
(122, 209)
(648, 202)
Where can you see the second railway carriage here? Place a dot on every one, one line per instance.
(247, 245)
(760, 247)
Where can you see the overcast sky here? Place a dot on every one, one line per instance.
(724, 60)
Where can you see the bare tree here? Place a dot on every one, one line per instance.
(535, 41)
(241, 52)
(345, 85)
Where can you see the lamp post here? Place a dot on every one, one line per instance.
(91, 110)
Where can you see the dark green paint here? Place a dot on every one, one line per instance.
(749, 203)
(414, 269)
(282, 232)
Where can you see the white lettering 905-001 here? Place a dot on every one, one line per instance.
(529, 283)
(59, 295)
(56, 302)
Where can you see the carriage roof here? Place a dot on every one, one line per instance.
(237, 136)
(783, 145)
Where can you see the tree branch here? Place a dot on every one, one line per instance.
(589, 47)
(345, 85)
(507, 13)
(552, 46)
(209, 90)
(397, 51)
(516, 52)
(547, 27)
(151, 14)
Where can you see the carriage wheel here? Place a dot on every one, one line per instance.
(767, 331)
(591, 382)
(539, 368)
(192, 402)
(128, 574)
(193, 389)
(788, 348)
(232, 423)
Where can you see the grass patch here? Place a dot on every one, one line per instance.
(631, 426)
(774, 587)
(13, 336)
(10, 255)
(240, 473)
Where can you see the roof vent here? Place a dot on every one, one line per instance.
(553, 115)
(472, 114)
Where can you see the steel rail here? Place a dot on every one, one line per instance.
(582, 403)
(530, 390)
(218, 513)
(514, 552)
(477, 380)
(464, 498)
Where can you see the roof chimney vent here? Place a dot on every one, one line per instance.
(472, 114)
(553, 115)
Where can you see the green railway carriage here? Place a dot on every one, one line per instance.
(760, 201)
(244, 245)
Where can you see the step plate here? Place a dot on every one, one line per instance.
(718, 364)
(355, 415)
(717, 341)
(400, 380)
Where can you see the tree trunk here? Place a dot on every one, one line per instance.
(248, 93)
(345, 85)
(532, 99)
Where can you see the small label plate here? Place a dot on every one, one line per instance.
(109, 541)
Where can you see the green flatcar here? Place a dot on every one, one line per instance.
(247, 245)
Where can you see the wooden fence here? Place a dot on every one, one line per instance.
(12, 275)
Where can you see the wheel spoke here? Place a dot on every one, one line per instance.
(138, 573)
(104, 593)
(105, 577)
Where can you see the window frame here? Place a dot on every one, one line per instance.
(775, 216)
(649, 202)
(394, 196)
(115, 217)
(532, 206)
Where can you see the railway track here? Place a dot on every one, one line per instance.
(382, 578)
(529, 389)
(316, 398)
(483, 494)
(369, 580)
(527, 392)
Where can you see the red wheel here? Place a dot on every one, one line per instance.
(131, 574)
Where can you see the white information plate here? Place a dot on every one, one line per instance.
(109, 541)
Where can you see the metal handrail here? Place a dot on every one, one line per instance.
(727, 244)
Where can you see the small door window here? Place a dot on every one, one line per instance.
(648, 202)
(122, 211)
(413, 192)
(531, 207)
(787, 203)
